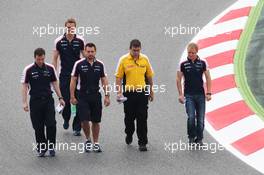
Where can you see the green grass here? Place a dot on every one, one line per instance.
(240, 58)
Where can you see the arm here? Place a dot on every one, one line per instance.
(72, 90)
(24, 91)
(119, 86)
(82, 54)
(105, 85)
(119, 77)
(179, 86)
(208, 85)
(150, 74)
(151, 95)
(58, 92)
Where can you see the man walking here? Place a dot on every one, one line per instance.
(135, 70)
(89, 71)
(194, 96)
(68, 47)
(38, 76)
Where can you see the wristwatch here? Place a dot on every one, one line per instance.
(60, 98)
(208, 93)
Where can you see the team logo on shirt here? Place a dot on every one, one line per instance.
(97, 68)
(84, 68)
(130, 66)
(46, 73)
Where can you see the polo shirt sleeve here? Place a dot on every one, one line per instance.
(81, 39)
(53, 74)
(205, 65)
(181, 67)
(75, 70)
(103, 73)
(57, 44)
(149, 71)
(120, 69)
(25, 76)
(82, 44)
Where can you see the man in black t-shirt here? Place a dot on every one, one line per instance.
(192, 70)
(68, 48)
(89, 71)
(36, 79)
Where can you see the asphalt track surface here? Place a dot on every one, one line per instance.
(119, 22)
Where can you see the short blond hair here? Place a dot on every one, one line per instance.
(193, 46)
(70, 20)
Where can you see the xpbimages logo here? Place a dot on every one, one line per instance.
(64, 146)
(49, 29)
(181, 29)
(173, 147)
(115, 88)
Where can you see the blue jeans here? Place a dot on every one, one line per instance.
(195, 109)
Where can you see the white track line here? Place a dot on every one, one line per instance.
(240, 129)
(222, 99)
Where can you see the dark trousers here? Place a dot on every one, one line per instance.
(136, 108)
(66, 114)
(42, 114)
(195, 109)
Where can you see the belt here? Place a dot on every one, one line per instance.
(40, 97)
(90, 91)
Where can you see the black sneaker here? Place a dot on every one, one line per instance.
(191, 140)
(199, 142)
(142, 148)
(88, 146)
(41, 153)
(97, 148)
(77, 133)
(129, 139)
(66, 125)
(52, 153)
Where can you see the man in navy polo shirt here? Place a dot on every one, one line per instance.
(89, 71)
(68, 47)
(36, 79)
(192, 70)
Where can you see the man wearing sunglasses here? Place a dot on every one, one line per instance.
(136, 72)
(193, 95)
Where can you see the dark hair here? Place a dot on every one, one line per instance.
(39, 52)
(90, 45)
(70, 20)
(135, 43)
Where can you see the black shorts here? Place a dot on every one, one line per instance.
(90, 107)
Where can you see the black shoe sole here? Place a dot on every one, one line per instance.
(64, 127)
(43, 154)
(52, 155)
(129, 140)
(77, 134)
(143, 149)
